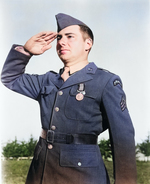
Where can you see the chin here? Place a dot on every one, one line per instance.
(64, 59)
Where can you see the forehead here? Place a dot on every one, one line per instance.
(75, 29)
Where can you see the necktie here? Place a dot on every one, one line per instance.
(65, 74)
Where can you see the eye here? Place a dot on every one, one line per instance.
(59, 37)
(70, 36)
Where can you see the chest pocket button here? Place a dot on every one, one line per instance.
(79, 164)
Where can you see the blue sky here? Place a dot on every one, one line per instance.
(121, 30)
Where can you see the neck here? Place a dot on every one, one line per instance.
(76, 66)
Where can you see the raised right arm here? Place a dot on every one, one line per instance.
(13, 75)
(14, 78)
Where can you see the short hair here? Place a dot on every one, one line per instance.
(87, 32)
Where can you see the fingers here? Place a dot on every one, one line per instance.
(41, 34)
(49, 37)
(40, 42)
(48, 45)
(45, 34)
(45, 37)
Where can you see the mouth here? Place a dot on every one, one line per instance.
(63, 51)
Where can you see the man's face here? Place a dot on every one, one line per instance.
(70, 45)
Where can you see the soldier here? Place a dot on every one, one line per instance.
(76, 105)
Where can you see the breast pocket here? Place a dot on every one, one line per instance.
(79, 156)
(80, 109)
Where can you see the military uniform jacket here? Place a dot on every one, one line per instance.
(102, 107)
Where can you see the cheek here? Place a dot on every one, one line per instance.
(57, 46)
(80, 48)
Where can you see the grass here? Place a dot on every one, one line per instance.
(15, 172)
(143, 172)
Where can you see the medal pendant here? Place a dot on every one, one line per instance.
(79, 96)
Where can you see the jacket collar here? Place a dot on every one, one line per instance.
(81, 76)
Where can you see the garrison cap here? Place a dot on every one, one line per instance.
(64, 21)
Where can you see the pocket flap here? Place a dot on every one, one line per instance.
(78, 158)
(91, 93)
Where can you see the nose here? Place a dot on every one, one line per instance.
(61, 42)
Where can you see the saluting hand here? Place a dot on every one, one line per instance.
(40, 42)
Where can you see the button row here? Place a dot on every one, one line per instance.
(57, 108)
(50, 146)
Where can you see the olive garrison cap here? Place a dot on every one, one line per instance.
(64, 21)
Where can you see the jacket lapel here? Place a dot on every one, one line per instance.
(57, 80)
(80, 76)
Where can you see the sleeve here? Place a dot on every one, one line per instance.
(14, 78)
(121, 132)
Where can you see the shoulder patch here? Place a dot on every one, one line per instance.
(117, 82)
(123, 103)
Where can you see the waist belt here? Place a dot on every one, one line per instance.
(55, 137)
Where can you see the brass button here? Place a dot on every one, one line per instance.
(56, 109)
(50, 146)
(60, 93)
(53, 127)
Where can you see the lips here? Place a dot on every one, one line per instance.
(63, 51)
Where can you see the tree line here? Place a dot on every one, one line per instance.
(105, 147)
(17, 148)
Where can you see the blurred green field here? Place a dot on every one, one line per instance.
(15, 172)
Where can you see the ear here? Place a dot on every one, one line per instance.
(88, 44)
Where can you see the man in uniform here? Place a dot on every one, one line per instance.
(76, 105)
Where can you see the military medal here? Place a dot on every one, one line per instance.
(81, 92)
(79, 96)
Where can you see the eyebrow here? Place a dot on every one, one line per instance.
(69, 33)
